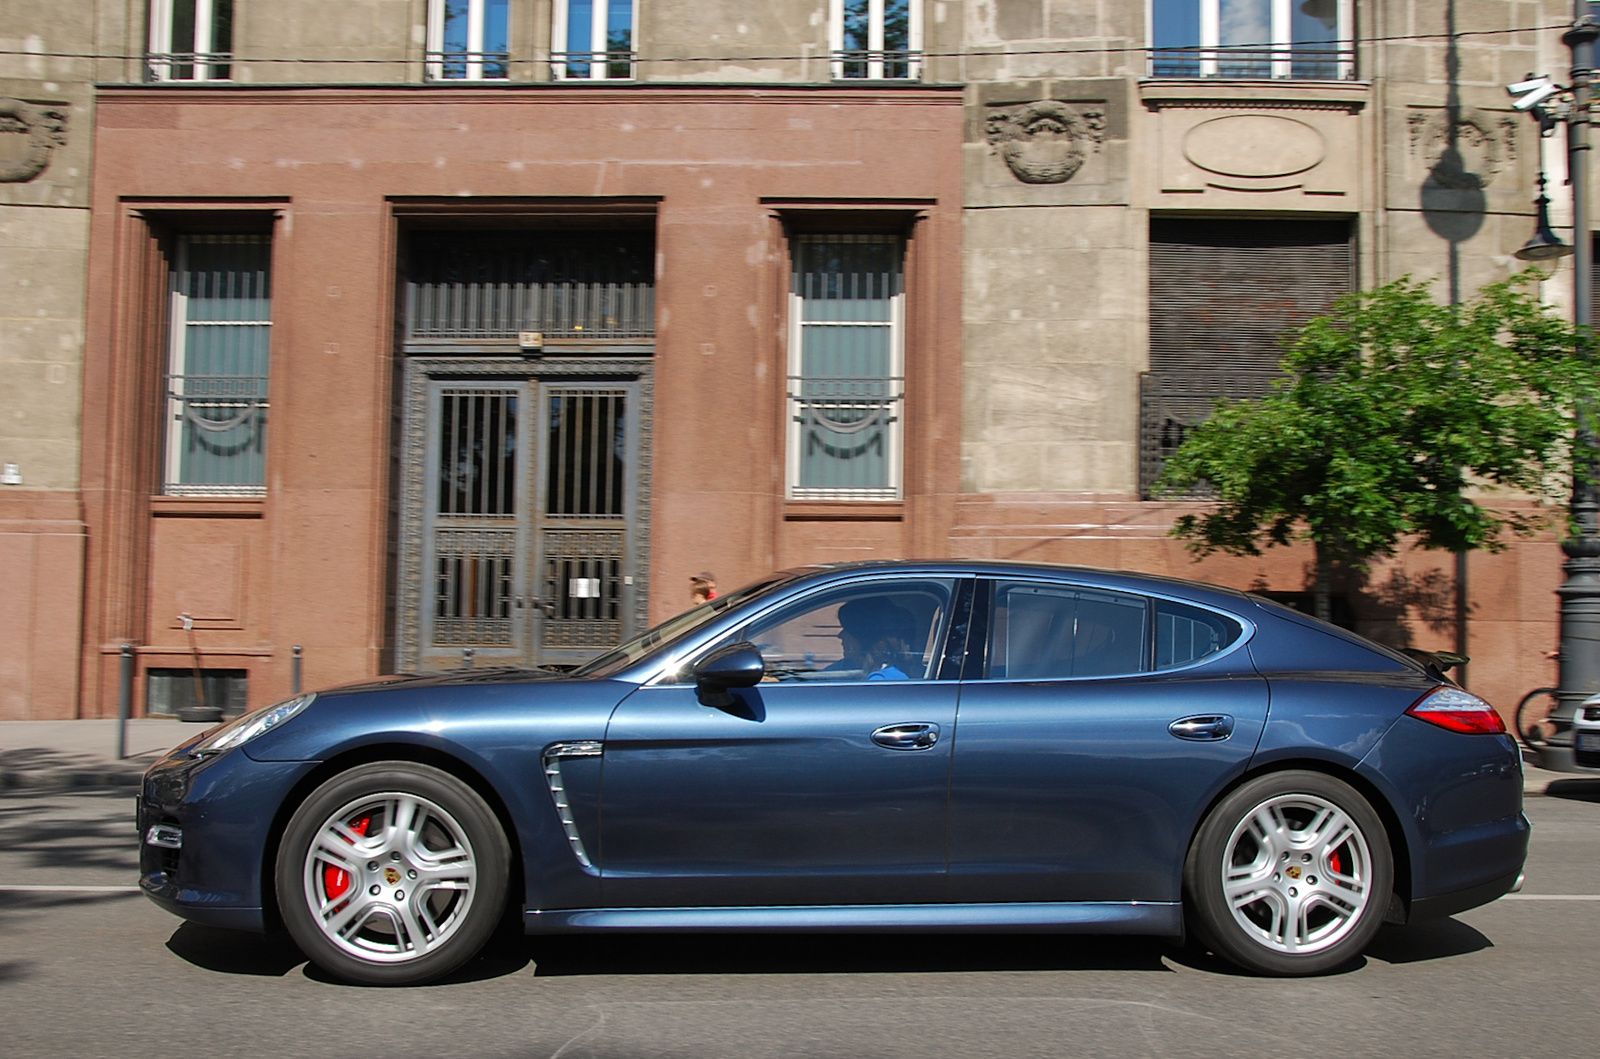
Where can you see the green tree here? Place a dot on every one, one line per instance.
(1391, 408)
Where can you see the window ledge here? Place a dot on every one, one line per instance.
(1156, 93)
(844, 510)
(207, 506)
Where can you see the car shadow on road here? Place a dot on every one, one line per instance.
(1578, 789)
(235, 951)
(839, 953)
(1436, 939)
(579, 955)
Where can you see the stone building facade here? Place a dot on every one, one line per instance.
(394, 329)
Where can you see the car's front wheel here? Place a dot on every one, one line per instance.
(1290, 874)
(392, 873)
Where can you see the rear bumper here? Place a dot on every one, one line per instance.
(1461, 900)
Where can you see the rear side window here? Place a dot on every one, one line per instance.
(1055, 632)
(1187, 634)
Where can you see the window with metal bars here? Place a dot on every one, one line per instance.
(190, 40)
(592, 40)
(1222, 293)
(475, 540)
(221, 331)
(585, 452)
(471, 285)
(1253, 39)
(876, 39)
(846, 367)
(468, 40)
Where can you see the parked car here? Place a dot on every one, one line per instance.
(868, 747)
(1586, 733)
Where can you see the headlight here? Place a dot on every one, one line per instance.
(247, 726)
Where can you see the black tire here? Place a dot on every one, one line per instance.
(1289, 875)
(419, 890)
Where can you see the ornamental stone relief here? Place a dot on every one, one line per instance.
(1463, 151)
(1046, 142)
(28, 133)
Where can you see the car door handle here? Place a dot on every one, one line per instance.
(906, 736)
(1208, 728)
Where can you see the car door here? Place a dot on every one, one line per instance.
(826, 783)
(1094, 727)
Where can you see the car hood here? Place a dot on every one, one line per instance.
(449, 678)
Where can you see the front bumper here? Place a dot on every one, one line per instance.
(221, 811)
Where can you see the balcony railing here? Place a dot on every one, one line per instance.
(1296, 62)
(468, 65)
(877, 65)
(592, 65)
(188, 66)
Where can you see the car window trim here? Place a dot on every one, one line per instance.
(716, 632)
(979, 641)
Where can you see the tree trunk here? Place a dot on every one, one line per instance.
(1322, 589)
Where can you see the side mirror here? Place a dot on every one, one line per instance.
(737, 665)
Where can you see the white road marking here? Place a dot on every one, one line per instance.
(27, 888)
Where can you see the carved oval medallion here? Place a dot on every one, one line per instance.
(1254, 145)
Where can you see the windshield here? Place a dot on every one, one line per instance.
(670, 631)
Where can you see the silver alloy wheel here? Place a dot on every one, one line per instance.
(390, 877)
(1297, 873)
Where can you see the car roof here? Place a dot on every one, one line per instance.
(1127, 579)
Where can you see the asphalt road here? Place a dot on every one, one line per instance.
(88, 968)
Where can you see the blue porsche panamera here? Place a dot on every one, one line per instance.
(931, 746)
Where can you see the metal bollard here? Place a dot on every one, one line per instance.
(466, 657)
(124, 701)
(296, 671)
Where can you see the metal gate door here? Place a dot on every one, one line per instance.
(585, 581)
(526, 508)
(476, 544)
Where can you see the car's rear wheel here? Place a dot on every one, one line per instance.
(392, 873)
(1290, 874)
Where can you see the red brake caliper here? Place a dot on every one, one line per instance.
(1335, 863)
(336, 881)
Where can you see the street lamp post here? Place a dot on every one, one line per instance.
(1580, 592)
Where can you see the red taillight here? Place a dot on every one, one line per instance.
(1458, 711)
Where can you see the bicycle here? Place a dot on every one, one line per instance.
(1534, 724)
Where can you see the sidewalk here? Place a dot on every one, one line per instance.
(84, 754)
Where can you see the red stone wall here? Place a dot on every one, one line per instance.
(328, 170)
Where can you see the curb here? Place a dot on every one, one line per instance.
(74, 779)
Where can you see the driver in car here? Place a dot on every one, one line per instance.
(875, 636)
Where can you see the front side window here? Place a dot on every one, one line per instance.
(846, 377)
(1059, 632)
(1252, 39)
(876, 39)
(880, 631)
(592, 40)
(220, 300)
(468, 40)
(190, 40)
